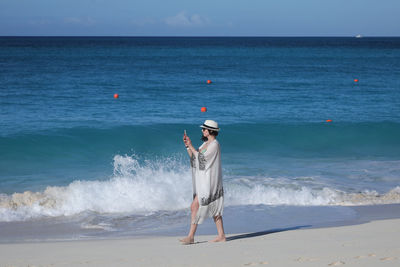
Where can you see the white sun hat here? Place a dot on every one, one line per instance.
(211, 125)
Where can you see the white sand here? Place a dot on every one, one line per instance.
(372, 244)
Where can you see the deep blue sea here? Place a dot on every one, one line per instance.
(73, 155)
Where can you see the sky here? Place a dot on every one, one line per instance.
(199, 18)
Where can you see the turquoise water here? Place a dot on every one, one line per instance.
(74, 149)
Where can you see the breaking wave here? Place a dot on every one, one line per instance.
(145, 187)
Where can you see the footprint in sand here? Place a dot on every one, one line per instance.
(372, 255)
(263, 262)
(336, 263)
(359, 257)
(250, 264)
(388, 258)
(301, 259)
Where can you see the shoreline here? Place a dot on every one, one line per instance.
(263, 221)
(373, 243)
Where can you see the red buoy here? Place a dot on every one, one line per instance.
(116, 96)
(203, 109)
(328, 120)
(208, 81)
(356, 80)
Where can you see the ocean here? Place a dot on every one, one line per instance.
(309, 128)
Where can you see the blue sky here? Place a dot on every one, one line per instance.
(200, 18)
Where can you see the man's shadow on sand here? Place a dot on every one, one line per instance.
(272, 231)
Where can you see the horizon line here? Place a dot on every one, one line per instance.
(214, 36)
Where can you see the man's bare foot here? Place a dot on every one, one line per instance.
(219, 239)
(187, 240)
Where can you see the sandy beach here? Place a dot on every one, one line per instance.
(94, 170)
(369, 244)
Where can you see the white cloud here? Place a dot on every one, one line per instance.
(182, 19)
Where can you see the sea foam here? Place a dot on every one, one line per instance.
(147, 186)
(134, 188)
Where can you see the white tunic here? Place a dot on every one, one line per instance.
(207, 181)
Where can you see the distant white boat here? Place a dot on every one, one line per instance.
(358, 36)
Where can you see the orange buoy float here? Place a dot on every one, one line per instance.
(328, 120)
(203, 109)
(209, 81)
(116, 96)
(356, 80)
